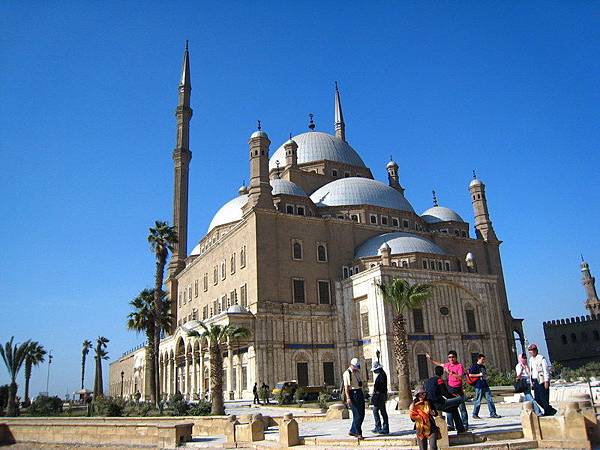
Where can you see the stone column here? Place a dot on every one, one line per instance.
(201, 373)
(166, 368)
(186, 372)
(194, 379)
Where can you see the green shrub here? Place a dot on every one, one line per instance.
(46, 406)
(109, 406)
(299, 394)
(498, 378)
(324, 397)
(585, 372)
(202, 408)
(178, 405)
(279, 398)
(3, 398)
(264, 394)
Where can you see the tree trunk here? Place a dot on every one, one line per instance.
(150, 374)
(82, 369)
(401, 354)
(100, 381)
(12, 400)
(27, 379)
(158, 282)
(216, 380)
(96, 377)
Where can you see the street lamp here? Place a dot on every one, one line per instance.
(122, 375)
(48, 375)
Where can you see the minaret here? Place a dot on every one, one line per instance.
(592, 303)
(340, 126)
(483, 224)
(291, 153)
(181, 159)
(394, 175)
(259, 194)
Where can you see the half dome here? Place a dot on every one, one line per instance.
(229, 212)
(286, 187)
(319, 146)
(399, 243)
(360, 191)
(440, 214)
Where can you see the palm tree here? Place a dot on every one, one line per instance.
(87, 346)
(34, 357)
(217, 335)
(14, 357)
(162, 239)
(403, 296)
(101, 354)
(141, 319)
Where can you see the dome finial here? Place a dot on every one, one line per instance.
(277, 170)
(435, 201)
(311, 123)
(474, 176)
(186, 45)
(290, 136)
(258, 125)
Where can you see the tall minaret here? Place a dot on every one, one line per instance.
(394, 175)
(340, 126)
(592, 303)
(260, 191)
(181, 159)
(483, 224)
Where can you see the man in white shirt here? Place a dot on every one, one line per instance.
(355, 397)
(540, 379)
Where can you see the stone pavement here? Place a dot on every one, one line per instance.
(337, 430)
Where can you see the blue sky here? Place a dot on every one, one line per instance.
(87, 96)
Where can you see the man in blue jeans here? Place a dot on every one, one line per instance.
(355, 397)
(482, 388)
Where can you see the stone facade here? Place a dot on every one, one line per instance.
(575, 341)
(292, 259)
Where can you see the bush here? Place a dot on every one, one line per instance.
(498, 378)
(178, 405)
(299, 394)
(46, 406)
(279, 398)
(585, 372)
(3, 398)
(324, 397)
(109, 406)
(202, 408)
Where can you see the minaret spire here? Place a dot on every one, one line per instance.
(181, 159)
(435, 201)
(592, 303)
(340, 126)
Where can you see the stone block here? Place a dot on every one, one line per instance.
(289, 434)
(443, 439)
(250, 432)
(337, 411)
(230, 429)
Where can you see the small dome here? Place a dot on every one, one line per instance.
(475, 182)
(195, 251)
(399, 243)
(242, 190)
(286, 187)
(237, 309)
(360, 191)
(440, 214)
(229, 212)
(391, 164)
(290, 142)
(259, 133)
(319, 146)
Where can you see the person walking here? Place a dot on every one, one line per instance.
(523, 375)
(355, 397)
(422, 413)
(267, 392)
(441, 399)
(379, 398)
(256, 400)
(479, 371)
(540, 379)
(455, 371)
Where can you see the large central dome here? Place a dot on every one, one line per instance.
(360, 191)
(318, 146)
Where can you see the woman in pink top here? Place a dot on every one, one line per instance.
(455, 371)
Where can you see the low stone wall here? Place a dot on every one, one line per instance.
(125, 433)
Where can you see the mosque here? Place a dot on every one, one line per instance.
(296, 257)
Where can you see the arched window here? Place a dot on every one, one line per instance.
(584, 336)
(297, 250)
(321, 253)
(596, 335)
(471, 323)
(573, 337)
(563, 339)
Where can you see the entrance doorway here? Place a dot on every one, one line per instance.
(302, 370)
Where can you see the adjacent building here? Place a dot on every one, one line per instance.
(296, 257)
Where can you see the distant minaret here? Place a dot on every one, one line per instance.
(340, 126)
(291, 153)
(394, 175)
(592, 303)
(483, 224)
(260, 191)
(181, 159)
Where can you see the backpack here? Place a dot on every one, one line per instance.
(471, 380)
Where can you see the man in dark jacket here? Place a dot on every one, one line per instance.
(256, 400)
(441, 399)
(379, 398)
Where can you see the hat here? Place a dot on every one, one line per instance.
(354, 363)
(532, 347)
(421, 390)
(376, 366)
